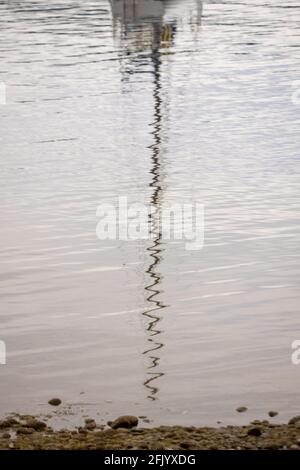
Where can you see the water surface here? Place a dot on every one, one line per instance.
(160, 101)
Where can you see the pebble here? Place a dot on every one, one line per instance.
(8, 423)
(125, 422)
(241, 409)
(157, 446)
(294, 420)
(89, 420)
(90, 425)
(254, 432)
(36, 425)
(273, 413)
(25, 430)
(82, 430)
(186, 445)
(123, 430)
(54, 401)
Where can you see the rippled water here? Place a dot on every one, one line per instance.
(159, 101)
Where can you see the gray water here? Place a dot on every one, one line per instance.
(161, 101)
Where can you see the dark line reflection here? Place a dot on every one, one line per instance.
(142, 29)
(155, 250)
(145, 34)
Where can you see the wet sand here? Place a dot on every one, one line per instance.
(26, 432)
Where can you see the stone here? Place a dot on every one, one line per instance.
(186, 445)
(127, 422)
(241, 409)
(8, 423)
(82, 430)
(36, 425)
(157, 446)
(254, 432)
(294, 420)
(54, 401)
(24, 430)
(90, 425)
(89, 420)
(273, 413)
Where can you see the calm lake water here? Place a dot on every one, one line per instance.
(161, 102)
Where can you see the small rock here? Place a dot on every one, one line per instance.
(11, 445)
(125, 422)
(36, 425)
(254, 432)
(82, 430)
(54, 401)
(89, 420)
(186, 445)
(157, 446)
(25, 430)
(6, 435)
(90, 425)
(241, 409)
(8, 423)
(294, 420)
(294, 447)
(273, 413)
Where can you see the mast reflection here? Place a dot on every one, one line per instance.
(143, 32)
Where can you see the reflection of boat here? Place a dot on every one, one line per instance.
(144, 34)
(131, 11)
(138, 26)
(152, 23)
(141, 23)
(140, 10)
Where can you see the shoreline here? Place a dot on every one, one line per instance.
(28, 432)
